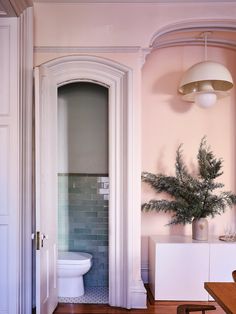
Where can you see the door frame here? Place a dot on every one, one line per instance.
(118, 79)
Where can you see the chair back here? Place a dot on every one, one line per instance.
(188, 308)
(234, 275)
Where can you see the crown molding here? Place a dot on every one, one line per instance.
(3, 13)
(190, 33)
(20, 5)
(88, 49)
(11, 8)
(196, 42)
(6, 9)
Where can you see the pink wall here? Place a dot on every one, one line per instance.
(116, 24)
(167, 121)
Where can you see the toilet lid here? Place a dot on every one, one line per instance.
(73, 257)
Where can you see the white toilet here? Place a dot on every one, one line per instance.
(71, 266)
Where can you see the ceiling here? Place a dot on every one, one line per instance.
(9, 8)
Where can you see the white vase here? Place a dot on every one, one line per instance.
(200, 229)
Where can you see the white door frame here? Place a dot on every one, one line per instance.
(118, 79)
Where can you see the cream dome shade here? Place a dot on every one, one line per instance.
(206, 78)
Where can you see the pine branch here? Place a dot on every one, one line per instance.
(209, 166)
(192, 197)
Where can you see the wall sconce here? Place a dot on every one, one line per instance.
(205, 82)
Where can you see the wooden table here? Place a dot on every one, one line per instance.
(224, 294)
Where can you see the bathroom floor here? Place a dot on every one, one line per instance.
(97, 295)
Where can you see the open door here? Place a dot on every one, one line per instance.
(46, 198)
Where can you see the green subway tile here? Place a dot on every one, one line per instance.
(100, 232)
(86, 212)
(102, 237)
(82, 231)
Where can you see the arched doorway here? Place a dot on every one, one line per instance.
(123, 290)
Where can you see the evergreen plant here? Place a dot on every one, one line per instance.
(191, 196)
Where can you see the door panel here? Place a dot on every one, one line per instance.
(46, 196)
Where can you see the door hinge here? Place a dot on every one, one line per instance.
(37, 239)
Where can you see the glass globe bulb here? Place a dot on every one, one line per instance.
(205, 99)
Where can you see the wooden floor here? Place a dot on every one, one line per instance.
(157, 308)
(153, 307)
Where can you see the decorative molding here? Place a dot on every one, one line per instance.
(5, 168)
(195, 42)
(5, 79)
(190, 33)
(20, 5)
(26, 162)
(185, 33)
(195, 24)
(4, 234)
(9, 217)
(14, 7)
(6, 8)
(145, 53)
(123, 165)
(88, 49)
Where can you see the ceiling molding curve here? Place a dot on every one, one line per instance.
(20, 5)
(223, 34)
(12, 8)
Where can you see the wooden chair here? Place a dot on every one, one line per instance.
(188, 308)
(234, 275)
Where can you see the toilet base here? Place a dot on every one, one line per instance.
(70, 287)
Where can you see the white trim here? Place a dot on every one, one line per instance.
(13, 8)
(10, 204)
(195, 24)
(88, 49)
(188, 34)
(195, 42)
(7, 9)
(144, 272)
(124, 290)
(25, 22)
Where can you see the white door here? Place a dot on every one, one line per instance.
(46, 198)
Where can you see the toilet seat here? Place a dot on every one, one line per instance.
(73, 258)
(71, 267)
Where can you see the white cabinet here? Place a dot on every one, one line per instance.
(179, 266)
(222, 261)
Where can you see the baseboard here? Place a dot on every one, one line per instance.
(144, 272)
(139, 296)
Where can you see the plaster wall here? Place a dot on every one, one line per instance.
(83, 129)
(116, 24)
(166, 120)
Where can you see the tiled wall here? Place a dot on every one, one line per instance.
(83, 221)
